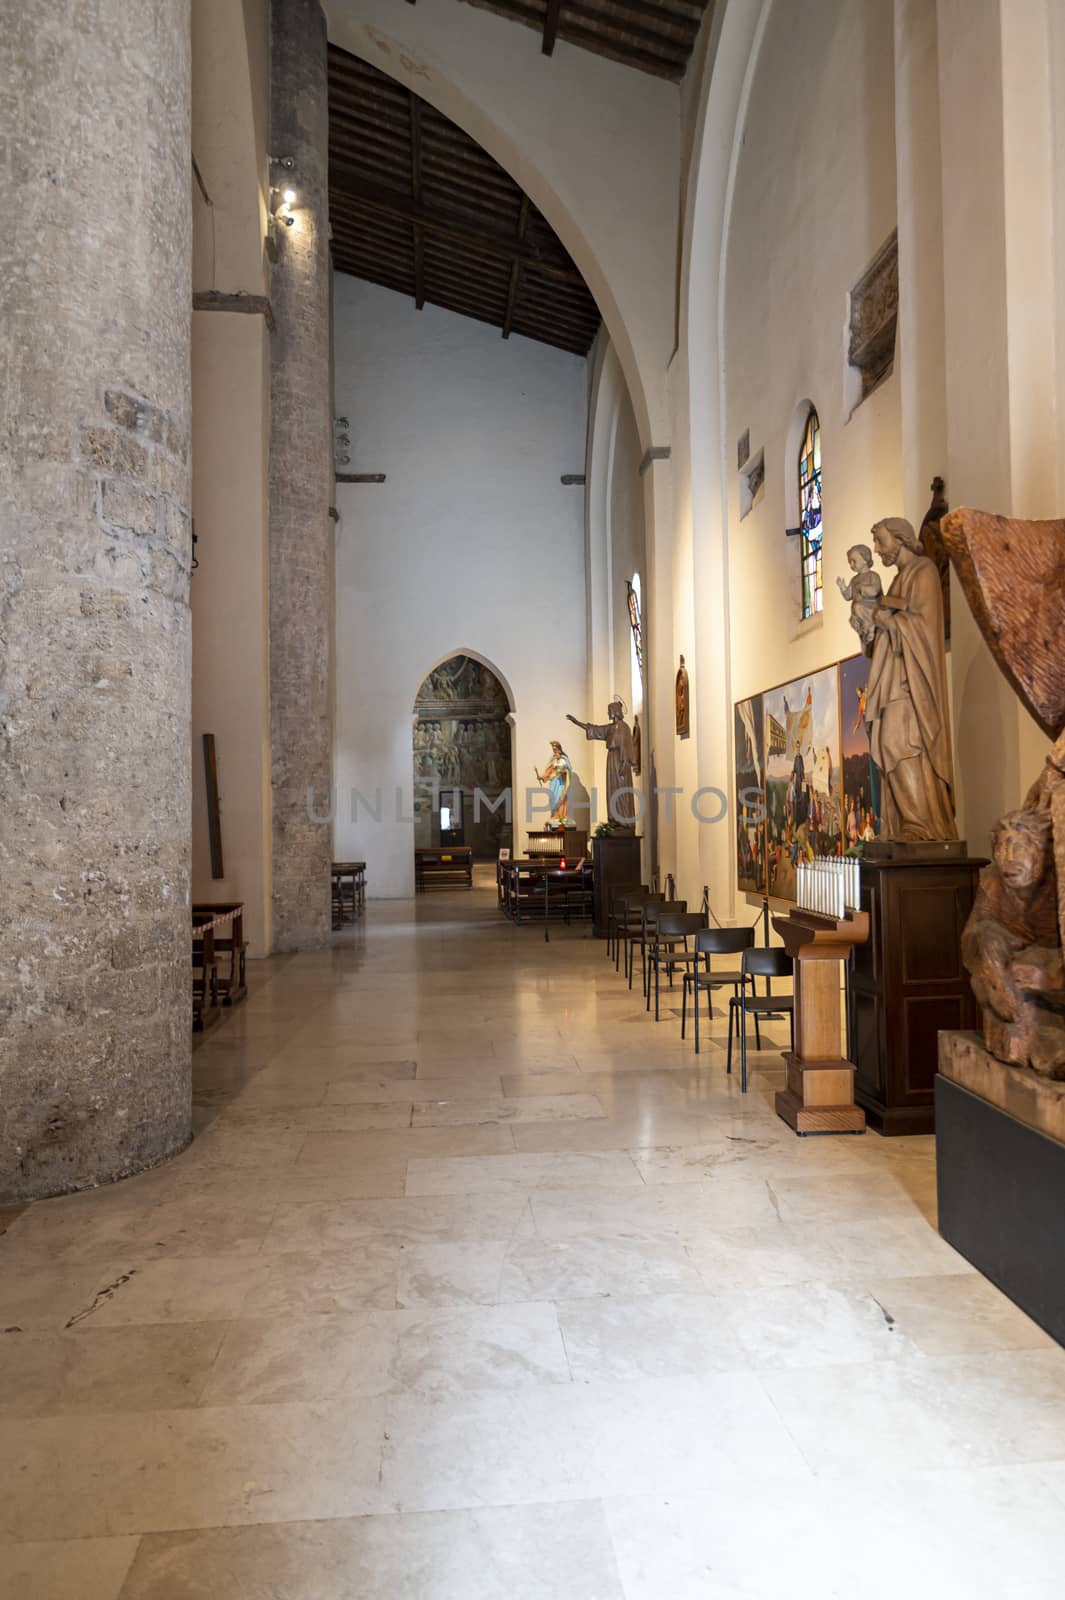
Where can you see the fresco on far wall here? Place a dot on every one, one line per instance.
(749, 736)
(861, 780)
(803, 776)
(462, 743)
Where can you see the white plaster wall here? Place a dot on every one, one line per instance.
(472, 544)
(814, 200)
(787, 197)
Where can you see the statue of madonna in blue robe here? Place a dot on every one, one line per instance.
(557, 775)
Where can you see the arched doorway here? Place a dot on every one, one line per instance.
(462, 759)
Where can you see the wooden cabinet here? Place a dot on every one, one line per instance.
(617, 863)
(906, 984)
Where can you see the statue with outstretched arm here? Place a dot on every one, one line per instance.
(620, 760)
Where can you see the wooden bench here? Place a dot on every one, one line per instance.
(218, 931)
(205, 994)
(448, 867)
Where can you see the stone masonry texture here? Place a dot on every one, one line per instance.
(301, 487)
(95, 306)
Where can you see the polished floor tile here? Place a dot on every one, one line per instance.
(553, 1552)
(68, 1569)
(477, 1284)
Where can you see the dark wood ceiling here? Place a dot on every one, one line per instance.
(416, 205)
(655, 36)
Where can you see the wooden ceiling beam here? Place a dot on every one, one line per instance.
(659, 63)
(646, 11)
(476, 197)
(367, 224)
(362, 96)
(479, 236)
(402, 255)
(485, 305)
(515, 269)
(554, 11)
(416, 196)
(497, 273)
(373, 274)
(376, 260)
(625, 34)
(377, 135)
(544, 317)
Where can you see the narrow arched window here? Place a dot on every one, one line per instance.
(810, 515)
(636, 639)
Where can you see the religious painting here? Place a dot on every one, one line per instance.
(803, 776)
(861, 780)
(683, 706)
(749, 733)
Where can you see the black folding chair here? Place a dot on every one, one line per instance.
(629, 925)
(668, 946)
(772, 963)
(648, 916)
(712, 942)
(614, 910)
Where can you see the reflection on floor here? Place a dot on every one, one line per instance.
(475, 1286)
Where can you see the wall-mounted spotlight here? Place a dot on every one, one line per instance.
(282, 199)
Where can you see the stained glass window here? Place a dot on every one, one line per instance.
(810, 515)
(634, 619)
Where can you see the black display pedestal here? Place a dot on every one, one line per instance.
(1002, 1199)
(616, 859)
(907, 982)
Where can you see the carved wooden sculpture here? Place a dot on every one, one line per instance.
(906, 703)
(1013, 576)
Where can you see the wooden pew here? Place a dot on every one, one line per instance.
(449, 867)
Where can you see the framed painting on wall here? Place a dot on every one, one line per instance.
(803, 776)
(750, 795)
(861, 779)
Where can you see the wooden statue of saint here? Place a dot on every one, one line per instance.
(620, 760)
(906, 703)
(683, 705)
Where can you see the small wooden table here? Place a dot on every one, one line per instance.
(349, 890)
(819, 1097)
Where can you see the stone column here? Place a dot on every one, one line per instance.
(95, 302)
(301, 487)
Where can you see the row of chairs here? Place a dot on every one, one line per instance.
(673, 940)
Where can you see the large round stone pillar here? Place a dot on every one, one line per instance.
(302, 576)
(95, 303)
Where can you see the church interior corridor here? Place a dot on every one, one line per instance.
(532, 800)
(474, 1285)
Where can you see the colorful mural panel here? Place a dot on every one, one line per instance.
(749, 735)
(803, 776)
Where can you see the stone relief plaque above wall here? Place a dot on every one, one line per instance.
(874, 315)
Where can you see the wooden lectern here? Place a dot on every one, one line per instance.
(819, 1097)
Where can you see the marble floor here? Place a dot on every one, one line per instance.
(476, 1285)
